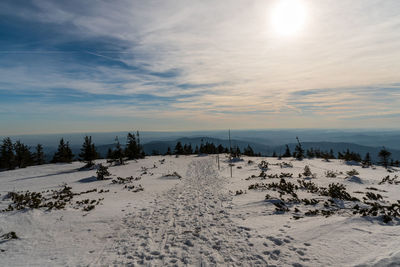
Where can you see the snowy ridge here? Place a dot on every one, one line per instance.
(197, 220)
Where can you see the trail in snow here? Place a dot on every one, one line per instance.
(189, 224)
(193, 221)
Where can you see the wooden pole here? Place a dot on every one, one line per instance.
(230, 144)
(230, 151)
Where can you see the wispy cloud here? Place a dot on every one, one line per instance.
(163, 61)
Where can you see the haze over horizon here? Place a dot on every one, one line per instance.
(73, 66)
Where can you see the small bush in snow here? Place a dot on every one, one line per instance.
(263, 165)
(126, 180)
(353, 172)
(337, 191)
(239, 192)
(389, 180)
(9, 235)
(330, 174)
(309, 186)
(89, 208)
(307, 171)
(286, 165)
(102, 172)
(134, 188)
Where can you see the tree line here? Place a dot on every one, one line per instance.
(384, 155)
(208, 148)
(19, 155)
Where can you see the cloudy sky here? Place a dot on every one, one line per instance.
(76, 66)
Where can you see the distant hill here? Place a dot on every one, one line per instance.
(258, 147)
(162, 146)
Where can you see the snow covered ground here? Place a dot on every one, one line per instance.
(199, 219)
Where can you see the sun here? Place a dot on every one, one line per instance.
(288, 17)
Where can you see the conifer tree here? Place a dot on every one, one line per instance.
(248, 151)
(7, 154)
(64, 153)
(287, 153)
(202, 148)
(236, 152)
(88, 151)
(38, 156)
(60, 151)
(331, 154)
(132, 148)
(141, 151)
(367, 160)
(188, 149)
(169, 151)
(208, 148)
(384, 156)
(23, 157)
(310, 153)
(178, 148)
(299, 151)
(109, 153)
(118, 153)
(68, 153)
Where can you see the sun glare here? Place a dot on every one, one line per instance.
(288, 17)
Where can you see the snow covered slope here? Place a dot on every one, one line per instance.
(204, 218)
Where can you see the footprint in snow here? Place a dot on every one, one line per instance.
(301, 253)
(286, 240)
(276, 252)
(276, 241)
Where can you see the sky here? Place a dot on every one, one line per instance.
(174, 65)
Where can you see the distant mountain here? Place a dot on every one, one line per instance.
(271, 137)
(258, 144)
(162, 146)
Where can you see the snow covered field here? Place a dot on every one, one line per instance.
(206, 218)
